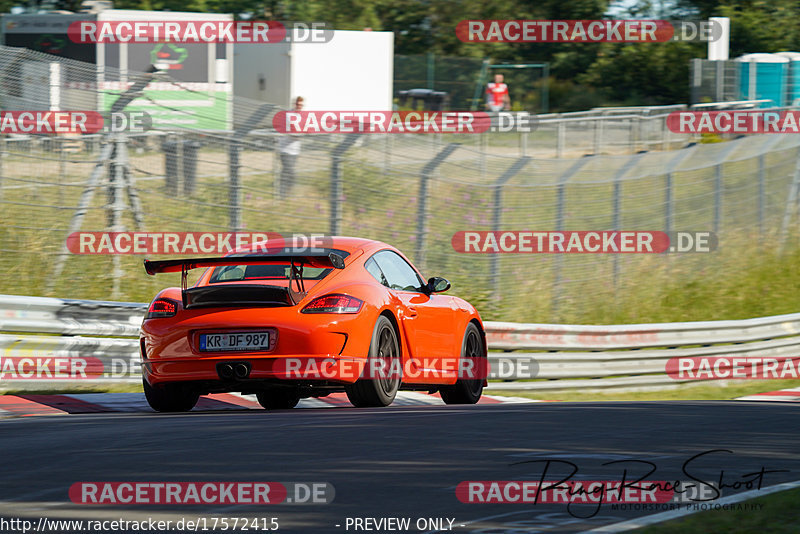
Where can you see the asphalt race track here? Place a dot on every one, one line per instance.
(401, 461)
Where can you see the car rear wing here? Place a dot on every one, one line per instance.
(329, 260)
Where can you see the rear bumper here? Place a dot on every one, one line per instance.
(309, 369)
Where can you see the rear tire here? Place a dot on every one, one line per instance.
(373, 390)
(468, 391)
(170, 397)
(278, 398)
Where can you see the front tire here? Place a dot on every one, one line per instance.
(379, 390)
(468, 391)
(170, 397)
(278, 398)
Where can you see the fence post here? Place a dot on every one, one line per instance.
(717, 196)
(2, 157)
(422, 201)
(337, 155)
(668, 203)
(431, 69)
(616, 222)
(62, 170)
(732, 145)
(668, 197)
(598, 132)
(497, 215)
(761, 179)
(560, 134)
(118, 168)
(235, 211)
(483, 149)
(546, 88)
(697, 80)
(276, 170)
(636, 133)
(562, 185)
(791, 202)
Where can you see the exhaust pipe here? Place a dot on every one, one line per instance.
(241, 370)
(225, 371)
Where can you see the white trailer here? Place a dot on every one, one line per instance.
(352, 71)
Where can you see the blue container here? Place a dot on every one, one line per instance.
(793, 80)
(764, 76)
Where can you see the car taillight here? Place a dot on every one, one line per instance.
(334, 304)
(162, 308)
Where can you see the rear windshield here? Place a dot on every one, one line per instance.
(278, 271)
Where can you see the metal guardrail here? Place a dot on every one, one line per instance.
(629, 356)
(567, 357)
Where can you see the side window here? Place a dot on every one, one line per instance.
(373, 269)
(398, 272)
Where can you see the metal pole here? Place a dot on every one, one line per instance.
(546, 89)
(2, 157)
(484, 153)
(731, 146)
(422, 201)
(790, 206)
(616, 224)
(130, 187)
(479, 87)
(235, 210)
(670, 168)
(560, 134)
(668, 203)
(431, 69)
(336, 197)
(697, 79)
(497, 214)
(276, 170)
(617, 204)
(562, 186)
(596, 144)
(761, 188)
(717, 197)
(635, 134)
(62, 170)
(117, 207)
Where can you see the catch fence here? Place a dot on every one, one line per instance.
(413, 191)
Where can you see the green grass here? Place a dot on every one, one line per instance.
(723, 390)
(779, 513)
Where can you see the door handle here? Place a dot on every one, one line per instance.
(412, 312)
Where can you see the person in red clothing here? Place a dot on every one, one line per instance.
(497, 98)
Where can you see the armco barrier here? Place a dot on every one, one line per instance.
(567, 356)
(37, 327)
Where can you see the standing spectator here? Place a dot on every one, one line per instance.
(497, 95)
(289, 148)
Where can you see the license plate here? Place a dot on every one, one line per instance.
(237, 341)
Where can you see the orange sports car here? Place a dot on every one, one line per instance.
(288, 323)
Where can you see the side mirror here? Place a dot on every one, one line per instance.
(437, 284)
